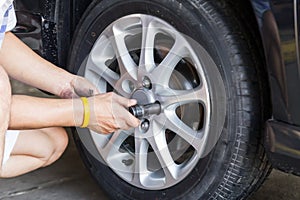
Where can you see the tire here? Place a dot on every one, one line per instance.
(214, 92)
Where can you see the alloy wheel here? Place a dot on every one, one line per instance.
(143, 57)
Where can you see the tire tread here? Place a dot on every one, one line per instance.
(248, 166)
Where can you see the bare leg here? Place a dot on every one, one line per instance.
(5, 102)
(35, 149)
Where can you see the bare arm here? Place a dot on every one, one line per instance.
(108, 113)
(23, 64)
(34, 113)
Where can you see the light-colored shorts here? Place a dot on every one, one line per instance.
(10, 141)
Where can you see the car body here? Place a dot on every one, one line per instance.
(48, 28)
(279, 34)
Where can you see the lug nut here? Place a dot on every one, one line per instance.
(147, 83)
(145, 126)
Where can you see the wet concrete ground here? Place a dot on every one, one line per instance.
(67, 179)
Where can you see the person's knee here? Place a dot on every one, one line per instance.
(59, 140)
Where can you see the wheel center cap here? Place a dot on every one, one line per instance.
(143, 96)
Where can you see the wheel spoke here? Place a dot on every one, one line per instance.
(181, 97)
(97, 62)
(147, 48)
(111, 149)
(140, 170)
(105, 73)
(108, 76)
(125, 61)
(165, 69)
(173, 123)
(160, 148)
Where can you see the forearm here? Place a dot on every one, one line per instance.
(32, 113)
(23, 64)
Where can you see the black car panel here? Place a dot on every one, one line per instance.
(278, 23)
(47, 26)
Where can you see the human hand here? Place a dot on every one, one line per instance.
(79, 87)
(109, 112)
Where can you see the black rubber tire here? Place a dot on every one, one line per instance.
(238, 164)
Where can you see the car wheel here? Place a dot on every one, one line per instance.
(195, 59)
